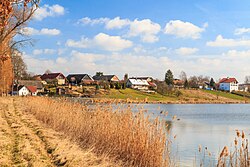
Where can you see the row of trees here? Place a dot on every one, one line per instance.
(191, 82)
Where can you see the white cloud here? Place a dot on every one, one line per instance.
(102, 41)
(87, 20)
(83, 43)
(44, 31)
(240, 31)
(186, 51)
(117, 23)
(112, 43)
(234, 54)
(184, 29)
(146, 29)
(223, 42)
(37, 52)
(48, 11)
(44, 51)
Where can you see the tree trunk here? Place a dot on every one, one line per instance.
(6, 75)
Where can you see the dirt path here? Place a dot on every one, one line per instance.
(26, 142)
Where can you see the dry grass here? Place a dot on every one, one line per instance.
(131, 138)
(239, 156)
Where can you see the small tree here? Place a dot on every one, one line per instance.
(193, 82)
(169, 77)
(186, 85)
(247, 79)
(19, 67)
(118, 85)
(125, 78)
(212, 83)
(124, 86)
(183, 76)
(112, 86)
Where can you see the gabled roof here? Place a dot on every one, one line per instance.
(17, 87)
(141, 82)
(51, 76)
(32, 89)
(78, 77)
(26, 83)
(228, 80)
(144, 78)
(103, 77)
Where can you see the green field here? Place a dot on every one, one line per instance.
(225, 94)
(137, 95)
(187, 96)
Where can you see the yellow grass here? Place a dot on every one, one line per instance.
(121, 134)
(239, 156)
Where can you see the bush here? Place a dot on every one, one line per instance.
(177, 93)
(112, 86)
(117, 85)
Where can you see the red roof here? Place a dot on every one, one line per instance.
(32, 89)
(51, 76)
(228, 80)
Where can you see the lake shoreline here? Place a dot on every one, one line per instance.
(129, 101)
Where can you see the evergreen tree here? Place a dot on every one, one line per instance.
(169, 78)
(212, 83)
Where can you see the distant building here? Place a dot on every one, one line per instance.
(178, 83)
(140, 84)
(109, 78)
(80, 79)
(229, 84)
(148, 79)
(244, 87)
(22, 90)
(37, 84)
(54, 78)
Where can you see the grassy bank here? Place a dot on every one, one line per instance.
(136, 95)
(121, 135)
(187, 96)
(226, 95)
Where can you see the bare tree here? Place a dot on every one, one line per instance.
(247, 79)
(19, 66)
(14, 14)
(183, 76)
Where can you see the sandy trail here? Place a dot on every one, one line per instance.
(24, 141)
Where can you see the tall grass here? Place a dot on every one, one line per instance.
(128, 137)
(238, 156)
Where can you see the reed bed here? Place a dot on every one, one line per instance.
(238, 156)
(121, 134)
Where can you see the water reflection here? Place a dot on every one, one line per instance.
(210, 125)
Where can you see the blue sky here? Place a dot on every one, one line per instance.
(141, 37)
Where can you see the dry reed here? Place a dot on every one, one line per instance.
(121, 134)
(239, 156)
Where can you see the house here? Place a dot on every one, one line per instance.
(244, 87)
(109, 78)
(22, 90)
(54, 78)
(37, 84)
(228, 84)
(80, 79)
(139, 84)
(148, 79)
(32, 90)
(178, 83)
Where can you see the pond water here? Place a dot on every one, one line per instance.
(209, 125)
